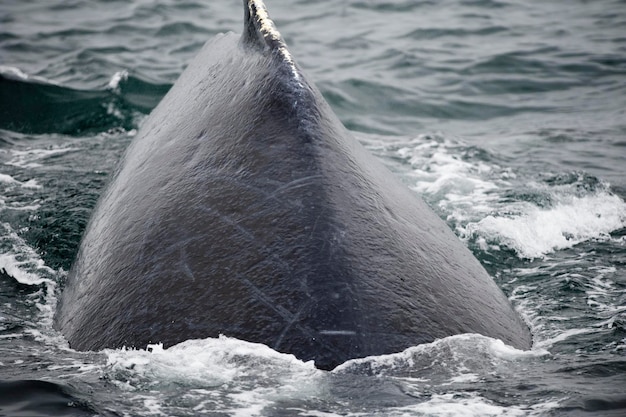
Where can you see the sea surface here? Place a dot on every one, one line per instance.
(508, 117)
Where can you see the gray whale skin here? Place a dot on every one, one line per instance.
(244, 207)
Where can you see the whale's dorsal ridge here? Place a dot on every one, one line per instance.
(260, 32)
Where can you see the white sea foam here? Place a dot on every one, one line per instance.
(205, 362)
(226, 374)
(463, 378)
(7, 179)
(33, 184)
(11, 336)
(562, 336)
(247, 379)
(472, 195)
(116, 79)
(30, 158)
(151, 405)
(603, 295)
(457, 405)
(470, 405)
(12, 266)
(13, 72)
(456, 354)
(21, 262)
(7, 183)
(17, 74)
(464, 189)
(550, 323)
(538, 231)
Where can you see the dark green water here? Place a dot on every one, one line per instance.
(509, 118)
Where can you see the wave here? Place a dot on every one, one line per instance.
(21, 398)
(35, 105)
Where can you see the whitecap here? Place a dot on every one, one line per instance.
(15, 73)
(22, 263)
(535, 231)
(7, 179)
(116, 79)
(11, 266)
(473, 195)
(30, 158)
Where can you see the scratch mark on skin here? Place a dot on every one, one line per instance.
(297, 183)
(315, 224)
(289, 317)
(227, 219)
(277, 308)
(294, 319)
(185, 265)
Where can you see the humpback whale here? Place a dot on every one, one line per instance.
(243, 207)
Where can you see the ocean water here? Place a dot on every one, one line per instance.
(507, 117)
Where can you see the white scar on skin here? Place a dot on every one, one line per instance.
(338, 332)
